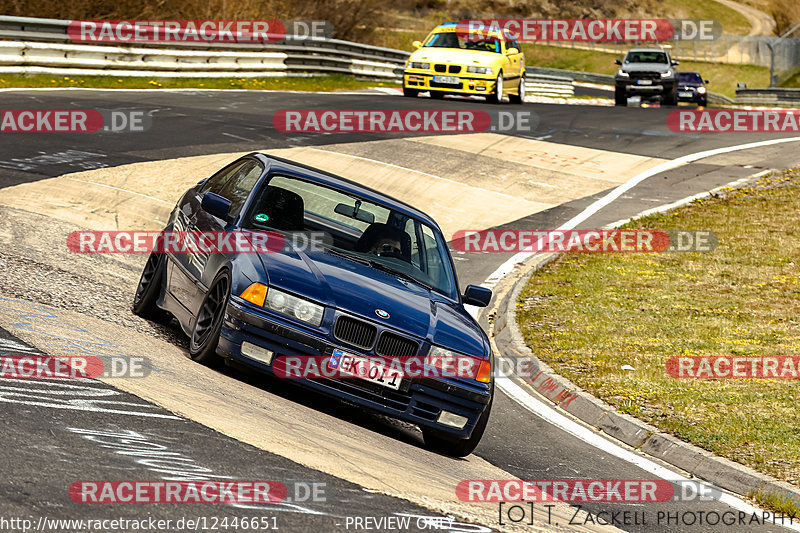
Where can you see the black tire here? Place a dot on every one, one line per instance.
(411, 93)
(205, 334)
(670, 99)
(149, 289)
(703, 102)
(519, 98)
(436, 95)
(496, 96)
(620, 98)
(446, 445)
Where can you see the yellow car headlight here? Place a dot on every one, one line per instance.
(479, 70)
(419, 65)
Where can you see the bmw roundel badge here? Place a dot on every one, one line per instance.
(381, 313)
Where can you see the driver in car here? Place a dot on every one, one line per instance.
(385, 241)
(387, 246)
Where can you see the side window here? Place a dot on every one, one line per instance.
(238, 187)
(216, 182)
(416, 257)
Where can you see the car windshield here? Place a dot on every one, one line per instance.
(362, 230)
(464, 40)
(646, 57)
(690, 77)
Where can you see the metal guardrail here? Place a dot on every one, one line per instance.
(42, 46)
(775, 96)
(540, 84)
(31, 45)
(573, 75)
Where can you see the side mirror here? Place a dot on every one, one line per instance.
(216, 205)
(512, 51)
(416, 44)
(706, 82)
(618, 62)
(675, 62)
(479, 296)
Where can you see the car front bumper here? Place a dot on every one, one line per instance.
(475, 84)
(631, 87)
(419, 401)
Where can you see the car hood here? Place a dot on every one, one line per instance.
(455, 56)
(360, 290)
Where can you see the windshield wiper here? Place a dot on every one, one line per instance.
(386, 268)
(348, 256)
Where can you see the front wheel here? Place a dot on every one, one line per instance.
(620, 98)
(497, 95)
(446, 445)
(410, 92)
(205, 335)
(519, 98)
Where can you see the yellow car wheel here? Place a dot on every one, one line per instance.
(519, 98)
(497, 95)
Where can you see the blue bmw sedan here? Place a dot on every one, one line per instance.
(377, 284)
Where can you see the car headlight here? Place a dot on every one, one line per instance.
(666, 74)
(289, 305)
(479, 70)
(454, 364)
(701, 90)
(622, 74)
(419, 65)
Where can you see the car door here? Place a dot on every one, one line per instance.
(515, 62)
(185, 269)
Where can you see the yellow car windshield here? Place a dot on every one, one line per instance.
(464, 41)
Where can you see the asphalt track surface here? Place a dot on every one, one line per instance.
(43, 455)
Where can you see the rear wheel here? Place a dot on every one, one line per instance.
(497, 95)
(205, 335)
(436, 95)
(410, 92)
(446, 445)
(519, 98)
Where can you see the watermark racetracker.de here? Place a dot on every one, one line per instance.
(197, 31)
(586, 241)
(74, 120)
(401, 120)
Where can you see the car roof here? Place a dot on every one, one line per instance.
(647, 50)
(452, 26)
(322, 177)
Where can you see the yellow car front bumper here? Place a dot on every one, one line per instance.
(425, 81)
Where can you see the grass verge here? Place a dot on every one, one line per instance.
(336, 82)
(588, 315)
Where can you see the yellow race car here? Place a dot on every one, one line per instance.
(456, 59)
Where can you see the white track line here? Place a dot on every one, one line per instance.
(550, 415)
(522, 397)
(600, 203)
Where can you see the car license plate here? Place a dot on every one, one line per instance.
(367, 368)
(450, 80)
(644, 82)
(685, 94)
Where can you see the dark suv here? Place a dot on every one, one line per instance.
(646, 72)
